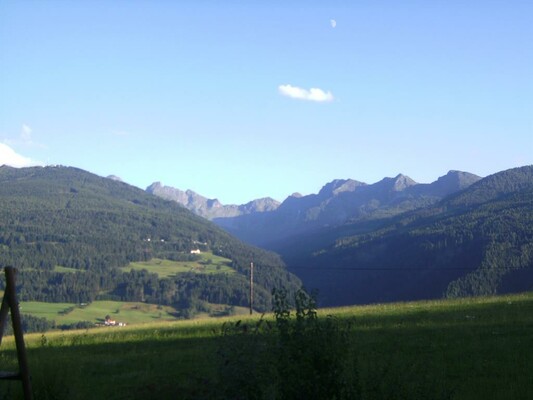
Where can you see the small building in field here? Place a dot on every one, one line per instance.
(111, 322)
(197, 251)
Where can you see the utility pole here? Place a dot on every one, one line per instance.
(251, 287)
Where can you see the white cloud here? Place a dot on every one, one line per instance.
(333, 23)
(8, 156)
(25, 138)
(313, 94)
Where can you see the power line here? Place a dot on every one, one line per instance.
(402, 268)
(322, 268)
(383, 268)
(251, 287)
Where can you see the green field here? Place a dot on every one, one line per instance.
(127, 312)
(130, 313)
(207, 264)
(461, 349)
(66, 270)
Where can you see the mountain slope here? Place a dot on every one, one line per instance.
(210, 208)
(65, 216)
(338, 202)
(478, 241)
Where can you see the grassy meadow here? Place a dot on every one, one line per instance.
(479, 348)
(127, 312)
(130, 313)
(207, 264)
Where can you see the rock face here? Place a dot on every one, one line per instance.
(452, 182)
(341, 201)
(115, 178)
(265, 221)
(210, 208)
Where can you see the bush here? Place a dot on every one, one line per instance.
(305, 357)
(77, 325)
(30, 324)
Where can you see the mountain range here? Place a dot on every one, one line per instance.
(210, 208)
(461, 235)
(264, 222)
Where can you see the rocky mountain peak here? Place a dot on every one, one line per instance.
(462, 179)
(337, 186)
(402, 182)
(115, 178)
(214, 203)
(397, 184)
(153, 186)
(452, 182)
(338, 201)
(260, 205)
(210, 208)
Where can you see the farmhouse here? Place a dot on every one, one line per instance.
(197, 251)
(111, 322)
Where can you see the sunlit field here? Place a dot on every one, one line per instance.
(207, 264)
(462, 349)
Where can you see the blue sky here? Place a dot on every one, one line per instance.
(246, 99)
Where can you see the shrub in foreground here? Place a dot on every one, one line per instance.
(297, 356)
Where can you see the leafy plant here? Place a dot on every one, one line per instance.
(299, 356)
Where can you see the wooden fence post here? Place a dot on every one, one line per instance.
(10, 303)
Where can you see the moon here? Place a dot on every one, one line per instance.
(333, 23)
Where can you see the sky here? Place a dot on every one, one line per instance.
(239, 100)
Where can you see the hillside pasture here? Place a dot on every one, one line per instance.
(208, 263)
(131, 313)
(478, 348)
(66, 270)
(127, 312)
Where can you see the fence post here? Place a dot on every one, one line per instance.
(10, 303)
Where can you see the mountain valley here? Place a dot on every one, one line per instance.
(74, 236)
(461, 235)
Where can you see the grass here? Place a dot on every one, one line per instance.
(131, 313)
(466, 349)
(478, 348)
(207, 264)
(66, 270)
(128, 312)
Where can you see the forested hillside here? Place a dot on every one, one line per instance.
(62, 216)
(475, 242)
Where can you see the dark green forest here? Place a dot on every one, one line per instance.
(63, 216)
(476, 242)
